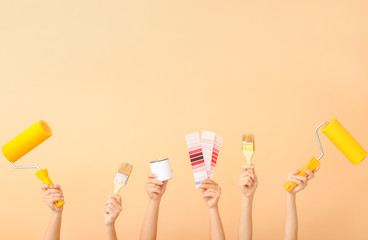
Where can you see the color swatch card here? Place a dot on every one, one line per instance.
(196, 158)
(208, 140)
(203, 154)
(215, 153)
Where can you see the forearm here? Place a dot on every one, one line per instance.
(149, 227)
(291, 221)
(111, 232)
(53, 230)
(216, 229)
(245, 223)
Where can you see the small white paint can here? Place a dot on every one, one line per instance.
(162, 169)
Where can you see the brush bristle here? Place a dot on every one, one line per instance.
(125, 168)
(248, 142)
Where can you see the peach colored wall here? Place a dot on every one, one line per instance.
(126, 80)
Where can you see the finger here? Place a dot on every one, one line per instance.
(207, 186)
(247, 167)
(295, 172)
(248, 183)
(54, 199)
(109, 210)
(216, 191)
(246, 179)
(114, 202)
(154, 181)
(208, 194)
(57, 187)
(165, 183)
(316, 170)
(116, 197)
(211, 194)
(51, 190)
(301, 178)
(154, 190)
(250, 177)
(152, 176)
(153, 186)
(295, 181)
(113, 208)
(243, 174)
(54, 195)
(208, 181)
(44, 187)
(248, 174)
(310, 174)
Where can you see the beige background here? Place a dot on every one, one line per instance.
(126, 80)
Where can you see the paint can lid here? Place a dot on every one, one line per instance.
(159, 160)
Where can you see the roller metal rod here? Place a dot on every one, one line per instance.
(25, 167)
(319, 142)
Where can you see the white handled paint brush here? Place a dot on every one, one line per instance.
(248, 147)
(122, 176)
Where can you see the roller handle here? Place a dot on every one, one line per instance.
(311, 166)
(43, 174)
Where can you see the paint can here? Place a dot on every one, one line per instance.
(162, 169)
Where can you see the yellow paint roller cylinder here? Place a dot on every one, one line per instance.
(26, 141)
(344, 141)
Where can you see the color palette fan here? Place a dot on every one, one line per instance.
(203, 154)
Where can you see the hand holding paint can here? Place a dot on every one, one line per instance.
(162, 169)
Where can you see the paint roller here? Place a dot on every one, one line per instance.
(24, 143)
(341, 139)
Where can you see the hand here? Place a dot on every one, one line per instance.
(52, 195)
(155, 188)
(248, 181)
(301, 180)
(211, 192)
(112, 209)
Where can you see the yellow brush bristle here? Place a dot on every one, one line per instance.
(125, 168)
(248, 142)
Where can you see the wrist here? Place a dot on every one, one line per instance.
(212, 208)
(154, 202)
(291, 194)
(110, 224)
(57, 213)
(248, 198)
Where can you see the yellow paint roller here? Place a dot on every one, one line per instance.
(342, 140)
(24, 143)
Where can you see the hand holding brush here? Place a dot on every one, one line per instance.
(248, 148)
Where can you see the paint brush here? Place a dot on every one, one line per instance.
(122, 176)
(248, 147)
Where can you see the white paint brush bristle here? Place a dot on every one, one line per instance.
(122, 176)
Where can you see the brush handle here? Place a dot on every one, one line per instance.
(311, 166)
(43, 174)
(118, 186)
(249, 157)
